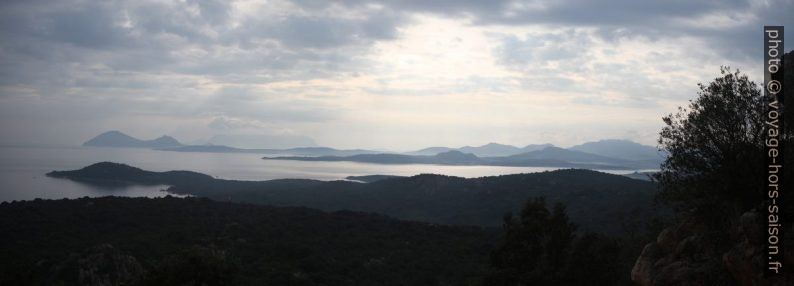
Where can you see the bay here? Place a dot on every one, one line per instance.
(23, 169)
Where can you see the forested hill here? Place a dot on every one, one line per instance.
(597, 201)
(193, 241)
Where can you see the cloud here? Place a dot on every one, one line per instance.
(248, 133)
(195, 37)
(367, 68)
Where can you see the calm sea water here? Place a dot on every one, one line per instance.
(23, 169)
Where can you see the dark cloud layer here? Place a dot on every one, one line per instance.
(150, 36)
(172, 58)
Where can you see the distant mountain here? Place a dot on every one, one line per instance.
(548, 157)
(321, 151)
(210, 149)
(571, 156)
(260, 141)
(446, 158)
(491, 149)
(300, 151)
(430, 151)
(535, 147)
(487, 150)
(118, 139)
(457, 156)
(596, 201)
(622, 149)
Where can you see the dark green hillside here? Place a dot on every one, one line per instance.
(370, 178)
(115, 174)
(172, 241)
(596, 201)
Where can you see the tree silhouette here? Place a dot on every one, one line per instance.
(541, 247)
(716, 146)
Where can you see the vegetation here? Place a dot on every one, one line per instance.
(599, 202)
(542, 247)
(716, 163)
(193, 241)
(716, 180)
(370, 178)
(539, 245)
(174, 241)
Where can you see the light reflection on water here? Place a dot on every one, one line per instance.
(22, 169)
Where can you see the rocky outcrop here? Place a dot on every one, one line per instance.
(681, 255)
(687, 254)
(745, 260)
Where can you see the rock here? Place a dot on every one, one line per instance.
(686, 254)
(745, 260)
(681, 255)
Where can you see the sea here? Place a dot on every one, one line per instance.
(23, 169)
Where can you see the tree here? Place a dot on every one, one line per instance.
(716, 149)
(716, 178)
(541, 248)
(196, 266)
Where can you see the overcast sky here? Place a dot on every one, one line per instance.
(372, 74)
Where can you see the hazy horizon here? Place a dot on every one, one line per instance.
(373, 148)
(204, 142)
(397, 75)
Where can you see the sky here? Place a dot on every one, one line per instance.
(396, 75)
